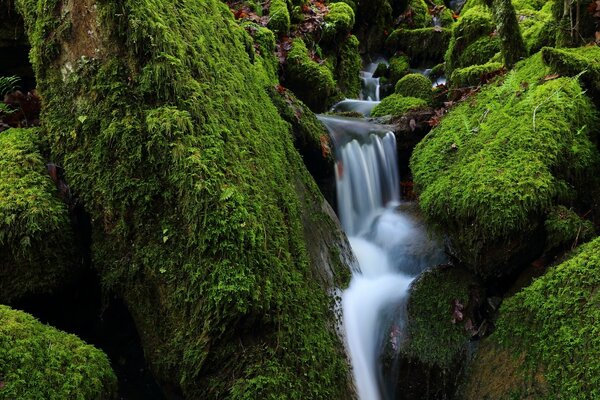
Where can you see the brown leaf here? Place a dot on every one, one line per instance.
(551, 77)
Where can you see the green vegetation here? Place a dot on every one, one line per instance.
(396, 105)
(348, 66)
(571, 62)
(197, 194)
(399, 66)
(311, 82)
(475, 74)
(472, 42)
(279, 17)
(36, 242)
(433, 338)
(41, 362)
(496, 163)
(421, 45)
(552, 325)
(418, 15)
(415, 85)
(338, 22)
(564, 228)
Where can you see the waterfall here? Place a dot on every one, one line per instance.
(390, 246)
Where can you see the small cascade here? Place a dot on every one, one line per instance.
(370, 85)
(441, 80)
(390, 246)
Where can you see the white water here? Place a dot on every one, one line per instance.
(390, 246)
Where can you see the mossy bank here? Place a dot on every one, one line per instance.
(159, 114)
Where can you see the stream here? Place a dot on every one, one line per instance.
(386, 236)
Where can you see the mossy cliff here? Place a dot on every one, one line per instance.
(41, 362)
(547, 345)
(158, 113)
(496, 164)
(36, 241)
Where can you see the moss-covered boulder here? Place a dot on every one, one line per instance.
(348, 66)
(41, 362)
(547, 343)
(279, 17)
(423, 46)
(565, 229)
(205, 219)
(571, 62)
(415, 85)
(36, 241)
(473, 42)
(495, 165)
(415, 15)
(312, 82)
(399, 67)
(395, 105)
(338, 21)
(475, 75)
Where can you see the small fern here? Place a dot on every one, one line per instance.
(8, 84)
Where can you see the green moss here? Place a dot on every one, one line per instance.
(264, 41)
(36, 242)
(415, 85)
(538, 27)
(399, 67)
(571, 62)
(279, 17)
(418, 15)
(197, 195)
(496, 163)
(565, 228)
(382, 70)
(433, 338)
(338, 21)
(396, 105)
(311, 82)
(553, 324)
(41, 362)
(421, 45)
(475, 74)
(472, 42)
(348, 66)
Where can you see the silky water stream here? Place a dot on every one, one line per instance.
(389, 242)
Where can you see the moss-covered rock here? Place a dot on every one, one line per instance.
(493, 167)
(415, 15)
(564, 228)
(338, 21)
(571, 62)
(396, 105)
(435, 337)
(312, 82)
(472, 41)
(41, 362)
(348, 66)
(264, 42)
(399, 67)
(279, 17)
(36, 241)
(537, 26)
(547, 343)
(415, 85)
(200, 204)
(475, 75)
(425, 45)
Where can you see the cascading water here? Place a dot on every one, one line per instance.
(390, 246)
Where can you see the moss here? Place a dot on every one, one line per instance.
(415, 85)
(423, 45)
(373, 22)
(264, 42)
(417, 14)
(194, 187)
(538, 27)
(41, 362)
(571, 62)
(348, 66)
(495, 164)
(279, 17)
(475, 74)
(311, 82)
(399, 66)
(338, 21)
(382, 70)
(565, 228)
(36, 242)
(553, 325)
(433, 338)
(472, 41)
(396, 105)
(509, 33)
(437, 71)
